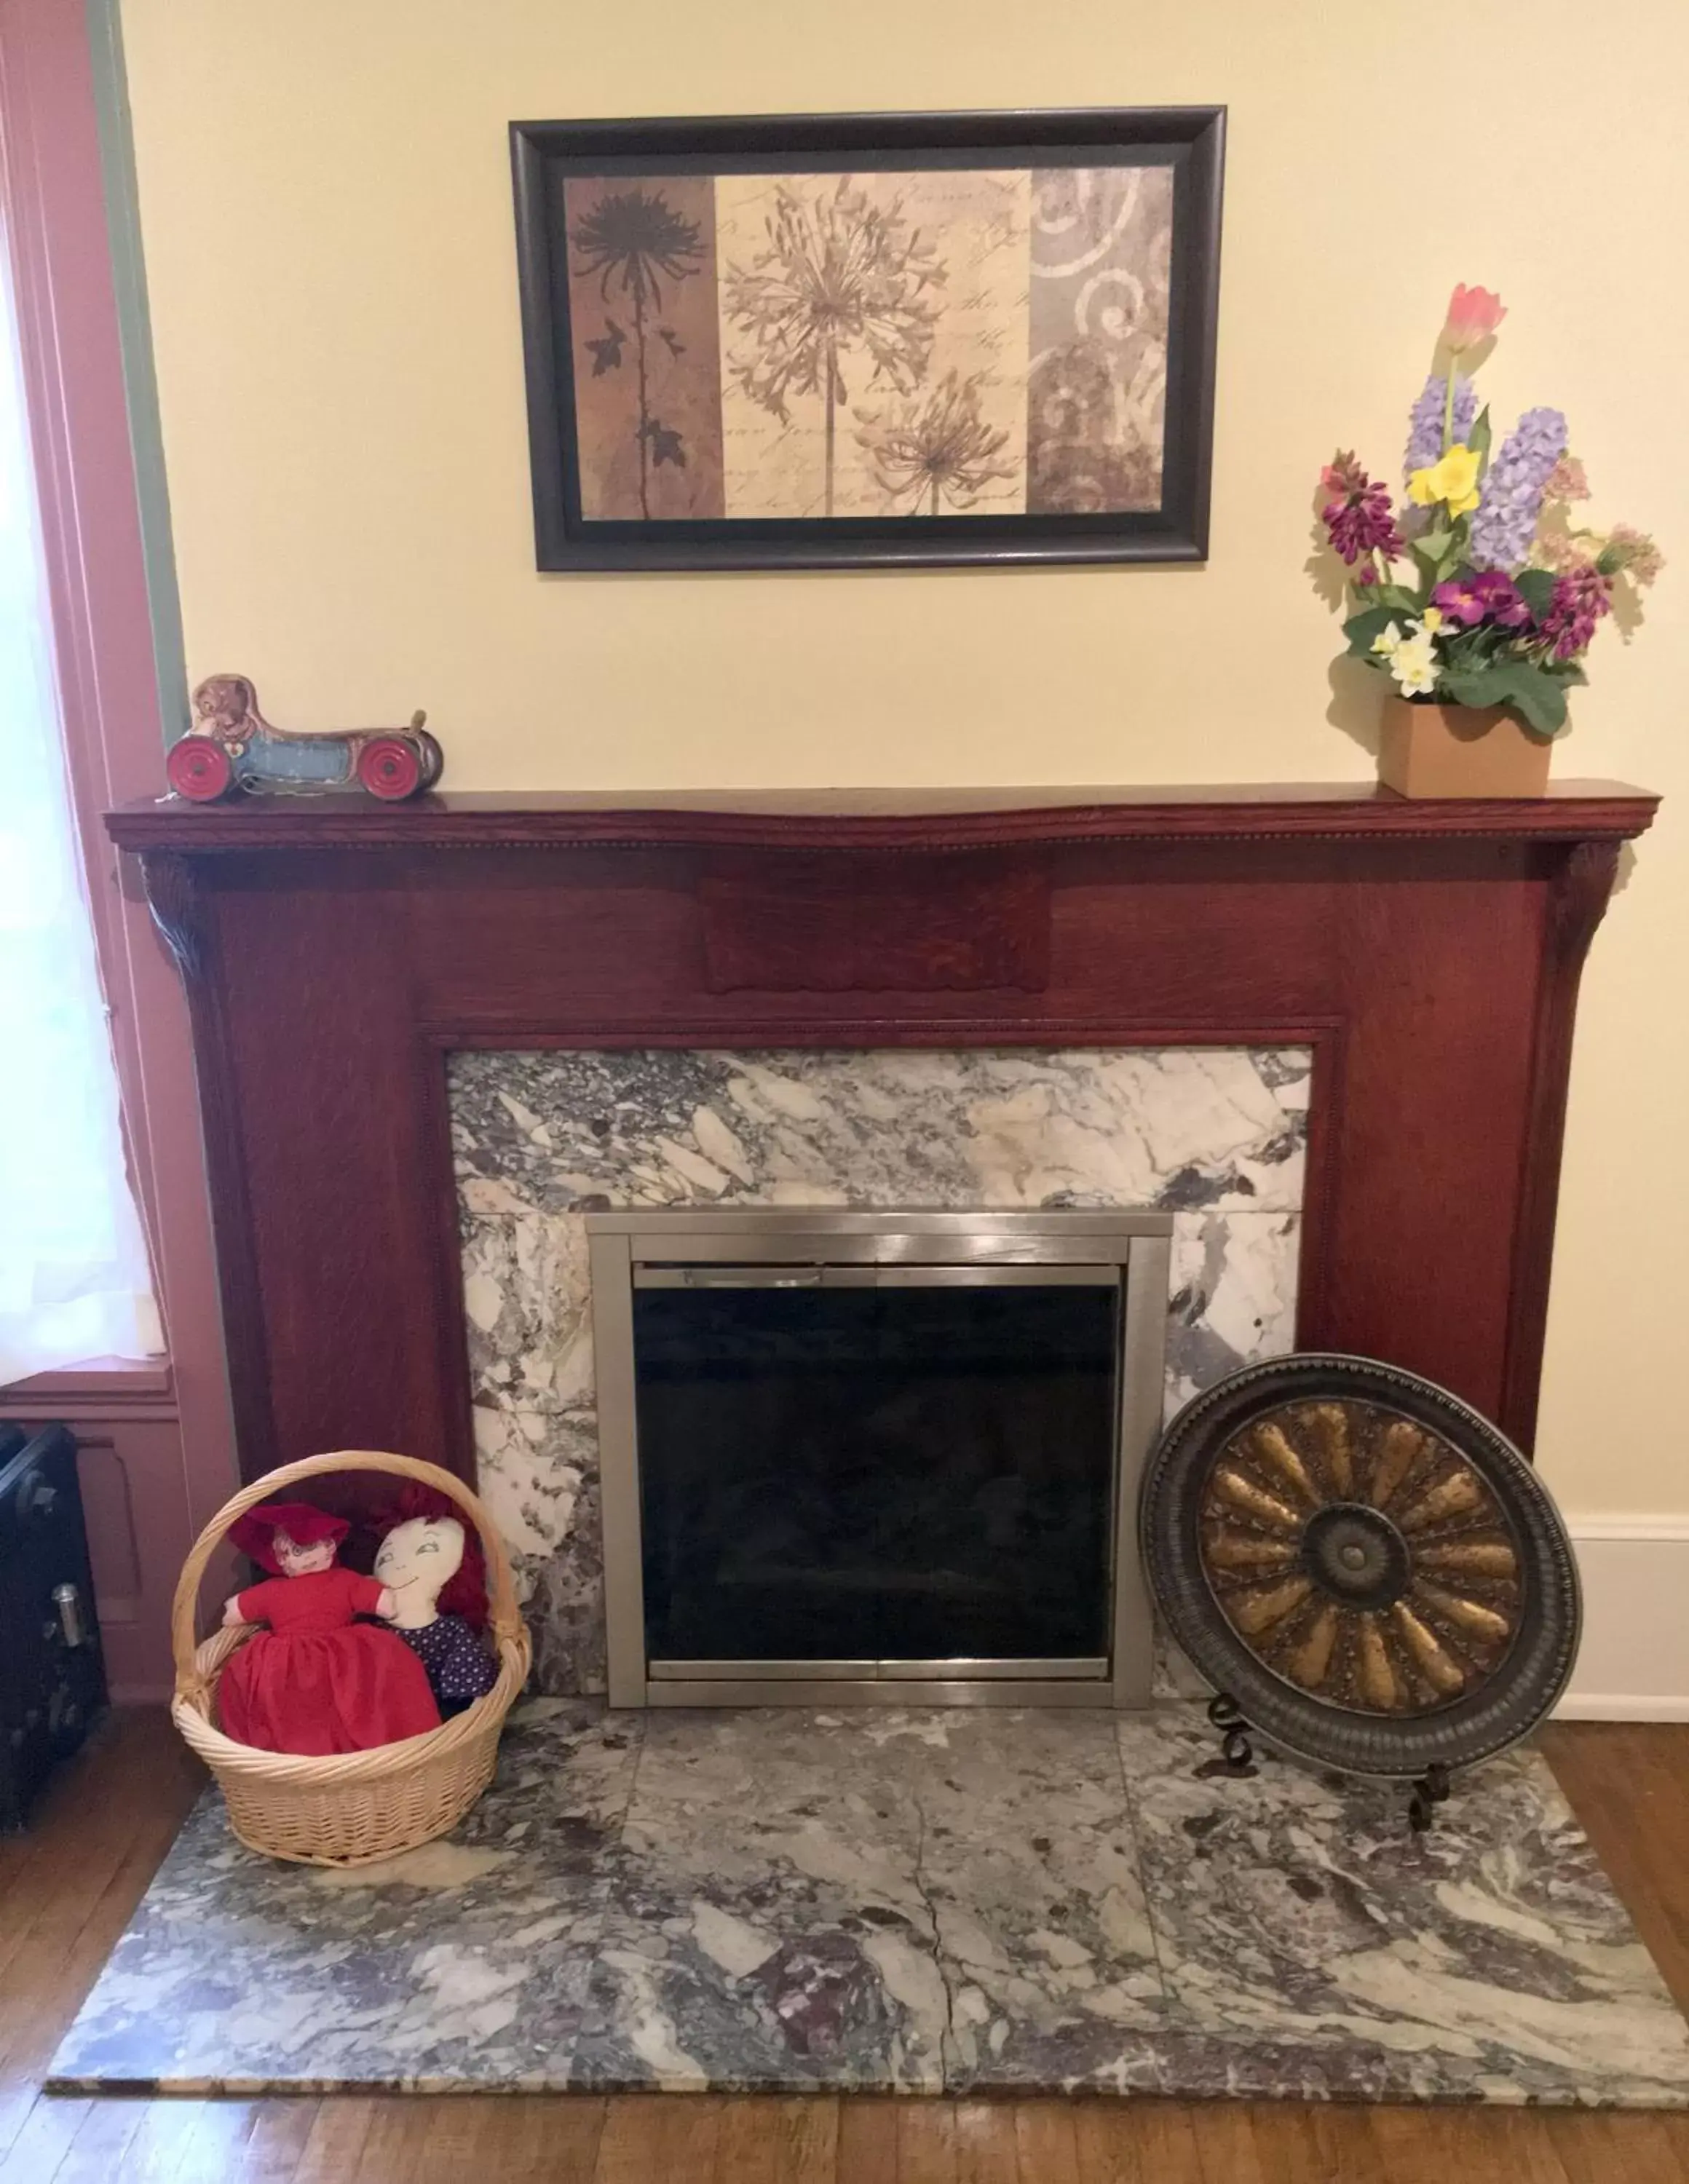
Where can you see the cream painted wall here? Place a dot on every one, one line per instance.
(325, 211)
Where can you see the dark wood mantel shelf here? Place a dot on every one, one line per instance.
(336, 950)
(879, 818)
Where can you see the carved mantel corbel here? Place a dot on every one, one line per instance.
(1582, 891)
(173, 896)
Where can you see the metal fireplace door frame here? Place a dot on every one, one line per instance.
(791, 1247)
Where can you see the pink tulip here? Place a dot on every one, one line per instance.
(1473, 314)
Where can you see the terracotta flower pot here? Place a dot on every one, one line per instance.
(1460, 750)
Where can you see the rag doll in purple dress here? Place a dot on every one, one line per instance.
(433, 1571)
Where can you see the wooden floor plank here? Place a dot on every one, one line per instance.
(281, 2131)
(1230, 2150)
(1463, 2142)
(99, 2149)
(1137, 2142)
(71, 1836)
(1047, 2141)
(545, 2139)
(867, 2139)
(215, 2147)
(163, 2139)
(779, 2142)
(398, 2140)
(986, 2151)
(561, 2145)
(334, 2149)
(98, 1848)
(648, 2135)
(1298, 2143)
(926, 2142)
(1596, 2148)
(1347, 2147)
(47, 2135)
(18, 2096)
(1628, 1785)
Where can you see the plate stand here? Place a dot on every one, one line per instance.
(1237, 1752)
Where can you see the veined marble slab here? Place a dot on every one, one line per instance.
(1333, 1952)
(966, 1901)
(1216, 1135)
(464, 1963)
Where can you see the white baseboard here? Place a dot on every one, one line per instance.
(1634, 1663)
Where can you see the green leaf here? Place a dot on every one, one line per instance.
(1433, 546)
(1538, 697)
(1465, 651)
(1536, 590)
(1362, 628)
(1399, 599)
(1475, 686)
(1478, 439)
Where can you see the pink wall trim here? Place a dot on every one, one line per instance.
(50, 174)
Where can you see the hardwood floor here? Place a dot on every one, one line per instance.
(67, 1889)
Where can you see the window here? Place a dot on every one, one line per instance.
(74, 1279)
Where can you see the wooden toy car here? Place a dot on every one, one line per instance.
(231, 746)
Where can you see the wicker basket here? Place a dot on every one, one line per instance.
(357, 1805)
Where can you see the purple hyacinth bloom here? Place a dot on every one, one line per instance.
(1505, 521)
(1426, 421)
(1487, 595)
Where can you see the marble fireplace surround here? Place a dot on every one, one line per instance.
(1216, 1136)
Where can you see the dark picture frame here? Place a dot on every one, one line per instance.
(642, 412)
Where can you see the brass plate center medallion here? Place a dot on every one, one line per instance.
(1374, 1575)
(1357, 1556)
(1360, 1556)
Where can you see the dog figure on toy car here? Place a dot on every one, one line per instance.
(231, 747)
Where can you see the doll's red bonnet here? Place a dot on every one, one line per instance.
(254, 1533)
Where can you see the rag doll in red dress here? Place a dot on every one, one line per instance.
(316, 1681)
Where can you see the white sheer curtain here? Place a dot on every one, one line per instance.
(74, 1280)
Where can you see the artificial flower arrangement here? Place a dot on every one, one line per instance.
(1505, 590)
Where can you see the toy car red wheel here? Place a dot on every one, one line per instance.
(198, 769)
(390, 767)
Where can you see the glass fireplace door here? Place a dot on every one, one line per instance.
(845, 1460)
(885, 1471)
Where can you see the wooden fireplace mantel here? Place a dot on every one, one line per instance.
(877, 818)
(335, 951)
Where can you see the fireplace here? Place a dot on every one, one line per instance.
(433, 1040)
(876, 1458)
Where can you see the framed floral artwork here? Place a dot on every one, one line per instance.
(869, 339)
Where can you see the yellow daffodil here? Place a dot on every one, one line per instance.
(1453, 479)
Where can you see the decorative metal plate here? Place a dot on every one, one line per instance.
(1369, 1568)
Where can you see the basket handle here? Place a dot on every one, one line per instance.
(503, 1615)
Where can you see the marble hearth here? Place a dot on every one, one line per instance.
(1217, 1136)
(963, 1902)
